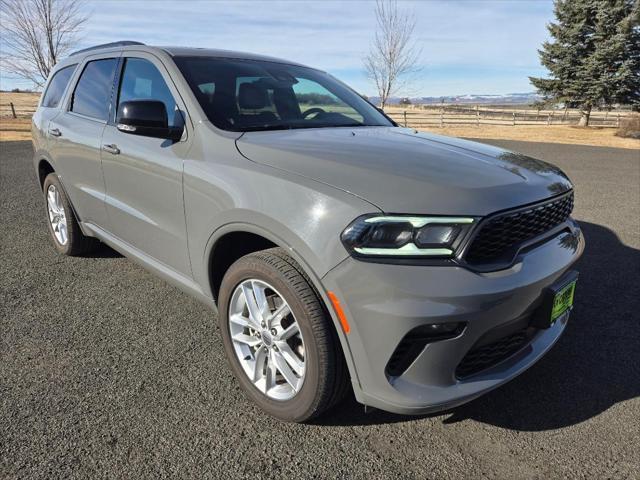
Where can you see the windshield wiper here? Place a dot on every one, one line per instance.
(260, 128)
(264, 128)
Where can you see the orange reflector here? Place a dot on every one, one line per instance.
(339, 311)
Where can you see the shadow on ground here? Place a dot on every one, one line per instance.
(595, 365)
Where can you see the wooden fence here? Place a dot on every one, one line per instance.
(16, 111)
(451, 115)
(436, 116)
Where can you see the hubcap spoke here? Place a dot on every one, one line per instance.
(285, 371)
(272, 372)
(261, 300)
(289, 332)
(282, 311)
(259, 364)
(240, 320)
(254, 312)
(291, 358)
(247, 339)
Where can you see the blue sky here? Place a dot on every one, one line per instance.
(472, 46)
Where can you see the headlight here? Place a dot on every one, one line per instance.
(406, 236)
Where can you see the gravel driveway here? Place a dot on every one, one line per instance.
(106, 371)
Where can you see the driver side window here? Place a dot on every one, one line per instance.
(313, 95)
(141, 80)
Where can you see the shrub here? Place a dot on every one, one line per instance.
(629, 127)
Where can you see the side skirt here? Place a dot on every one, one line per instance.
(149, 263)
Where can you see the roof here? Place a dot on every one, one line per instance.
(211, 52)
(125, 45)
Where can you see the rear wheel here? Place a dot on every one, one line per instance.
(63, 225)
(280, 343)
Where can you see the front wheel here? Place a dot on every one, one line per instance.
(279, 341)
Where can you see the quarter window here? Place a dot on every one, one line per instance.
(57, 86)
(93, 92)
(141, 80)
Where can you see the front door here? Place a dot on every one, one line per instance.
(143, 175)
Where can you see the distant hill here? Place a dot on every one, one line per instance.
(507, 99)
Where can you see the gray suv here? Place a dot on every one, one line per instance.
(339, 250)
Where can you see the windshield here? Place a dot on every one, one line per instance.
(251, 95)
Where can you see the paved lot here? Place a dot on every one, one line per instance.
(106, 371)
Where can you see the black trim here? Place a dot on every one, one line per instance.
(513, 253)
(121, 43)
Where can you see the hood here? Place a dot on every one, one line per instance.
(402, 171)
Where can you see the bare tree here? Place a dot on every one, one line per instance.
(36, 34)
(393, 55)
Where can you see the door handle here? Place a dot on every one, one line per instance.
(112, 149)
(55, 132)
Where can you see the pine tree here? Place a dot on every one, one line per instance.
(594, 58)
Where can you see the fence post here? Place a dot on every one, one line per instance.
(618, 120)
(442, 117)
(514, 119)
(13, 110)
(405, 118)
(549, 118)
(477, 116)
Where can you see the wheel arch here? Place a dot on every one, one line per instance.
(262, 236)
(45, 167)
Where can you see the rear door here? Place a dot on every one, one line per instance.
(143, 175)
(76, 133)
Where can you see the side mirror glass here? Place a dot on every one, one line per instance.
(147, 118)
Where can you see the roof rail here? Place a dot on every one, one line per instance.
(122, 43)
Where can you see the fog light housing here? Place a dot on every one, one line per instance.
(414, 342)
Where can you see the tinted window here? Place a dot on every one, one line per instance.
(247, 95)
(57, 86)
(93, 91)
(141, 80)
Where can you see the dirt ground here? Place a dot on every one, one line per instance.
(597, 137)
(15, 129)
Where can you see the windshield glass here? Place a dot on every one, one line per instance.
(252, 95)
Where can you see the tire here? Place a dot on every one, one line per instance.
(72, 242)
(325, 379)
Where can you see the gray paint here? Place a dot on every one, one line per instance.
(166, 205)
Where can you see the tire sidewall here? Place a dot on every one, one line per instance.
(305, 401)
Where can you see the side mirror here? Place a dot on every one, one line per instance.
(147, 118)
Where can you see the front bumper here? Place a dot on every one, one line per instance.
(384, 302)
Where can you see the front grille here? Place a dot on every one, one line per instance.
(485, 356)
(500, 235)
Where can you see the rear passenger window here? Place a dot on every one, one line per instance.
(141, 80)
(57, 86)
(93, 92)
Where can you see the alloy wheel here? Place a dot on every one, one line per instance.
(267, 339)
(57, 216)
